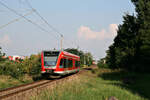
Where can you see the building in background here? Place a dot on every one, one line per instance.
(16, 57)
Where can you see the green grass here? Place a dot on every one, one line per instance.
(138, 82)
(98, 84)
(8, 81)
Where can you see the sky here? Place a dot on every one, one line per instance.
(90, 25)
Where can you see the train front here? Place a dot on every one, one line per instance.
(49, 61)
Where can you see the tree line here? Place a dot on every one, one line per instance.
(17, 69)
(85, 58)
(131, 47)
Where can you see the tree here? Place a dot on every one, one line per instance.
(88, 58)
(122, 52)
(110, 58)
(35, 64)
(1, 55)
(102, 63)
(143, 43)
(85, 58)
(131, 47)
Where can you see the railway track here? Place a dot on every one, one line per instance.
(23, 92)
(5, 93)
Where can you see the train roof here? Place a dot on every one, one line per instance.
(64, 52)
(67, 53)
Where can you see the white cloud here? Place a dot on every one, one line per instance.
(5, 40)
(96, 42)
(86, 33)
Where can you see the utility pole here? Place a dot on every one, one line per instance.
(88, 59)
(78, 50)
(84, 60)
(61, 43)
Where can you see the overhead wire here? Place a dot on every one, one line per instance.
(54, 29)
(15, 20)
(12, 10)
(50, 26)
(43, 19)
(23, 16)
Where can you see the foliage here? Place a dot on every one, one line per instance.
(131, 47)
(122, 52)
(1, 55)
(143, 42)
(6, 81)
(137, 83)
(85, 58)
(89, 86)
(11, 68)
(30, 66)
(35, 64)
(102, 63)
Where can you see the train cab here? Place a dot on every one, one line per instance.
(59, 63)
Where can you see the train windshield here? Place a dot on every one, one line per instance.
(50, 58)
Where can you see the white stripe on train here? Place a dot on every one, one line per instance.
(66, 72)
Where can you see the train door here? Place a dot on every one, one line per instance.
(61, 65)
(70, 64)
(65, 65)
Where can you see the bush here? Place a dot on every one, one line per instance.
(31, 66)
(100, 65)
(11, 68)
(35, 67)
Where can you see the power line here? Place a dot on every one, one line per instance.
(25, 18)
(44, 19)
(15, 20)
(12, 10)
(54, 29)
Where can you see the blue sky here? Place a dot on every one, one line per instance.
(91, 24)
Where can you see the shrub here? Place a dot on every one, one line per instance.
(11, 68)
(31, 66)
(35, 67)
(101, 65)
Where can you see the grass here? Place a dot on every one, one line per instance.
(137, 83)
(98, 84)
(8, 81)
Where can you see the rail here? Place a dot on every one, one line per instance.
(23, 92)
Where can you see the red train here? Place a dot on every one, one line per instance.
(59, 63)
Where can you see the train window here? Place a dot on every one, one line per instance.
(61, 63)
(50, 58)
(51, 53)
(70, 63)
(50, 61)
(65, 63)
(77, 63)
